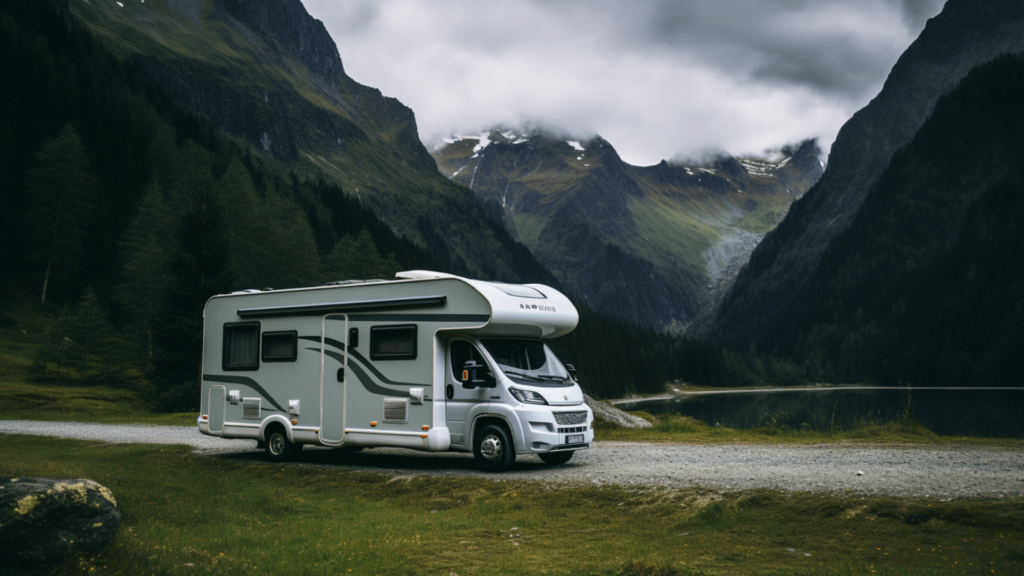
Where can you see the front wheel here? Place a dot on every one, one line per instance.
(278, 448)
(493, 449)
(555, 458)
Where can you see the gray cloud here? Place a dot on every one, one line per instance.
(655, 78)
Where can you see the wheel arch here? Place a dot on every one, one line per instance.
(499, 419)
(276, 419)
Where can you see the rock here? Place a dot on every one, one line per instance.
(859, 473)
(42, 519)
(614, 415)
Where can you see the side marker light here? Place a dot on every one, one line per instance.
(374, 423)
(425, 427)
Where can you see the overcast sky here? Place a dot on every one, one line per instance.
(655, 78)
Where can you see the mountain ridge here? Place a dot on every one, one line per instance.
(584, 212)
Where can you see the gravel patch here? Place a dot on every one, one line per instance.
(945, 473)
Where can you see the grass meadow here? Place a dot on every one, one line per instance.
(190, 514)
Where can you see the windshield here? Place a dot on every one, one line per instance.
(528, 362)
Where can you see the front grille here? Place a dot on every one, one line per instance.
(250, 408)
(572, 429)
(567, 418)
(396, 409)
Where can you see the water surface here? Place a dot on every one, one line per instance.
(947, 411)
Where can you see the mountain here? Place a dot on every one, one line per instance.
(965, 34)
(268, 74)
(651, 244)
(926, 284)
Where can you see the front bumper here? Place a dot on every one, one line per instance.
(542, 433)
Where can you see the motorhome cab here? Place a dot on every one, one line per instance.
(428, 361)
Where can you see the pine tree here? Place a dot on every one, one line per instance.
(145, 246)
(54, 346)
(358, 259)
(91, 333)
(60, 199)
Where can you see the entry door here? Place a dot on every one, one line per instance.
(459, 401)
(333, 379)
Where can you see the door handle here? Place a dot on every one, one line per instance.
(341, 374)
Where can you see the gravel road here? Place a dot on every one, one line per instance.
(934, 472)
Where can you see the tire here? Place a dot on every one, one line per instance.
(493, 449)
(278, 448)
(555, 458)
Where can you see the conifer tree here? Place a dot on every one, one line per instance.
(145, 246)
(90, 332)
(60, 198)
(358, 258)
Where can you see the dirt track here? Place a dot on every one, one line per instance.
(922, 471)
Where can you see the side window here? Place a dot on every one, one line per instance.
(462, 352)
(241, 349)
(280, 346)
(393, 342)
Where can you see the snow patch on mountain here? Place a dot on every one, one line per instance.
(575, 144)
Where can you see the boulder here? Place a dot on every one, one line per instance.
(42, 519)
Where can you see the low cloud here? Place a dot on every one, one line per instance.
(654, 78)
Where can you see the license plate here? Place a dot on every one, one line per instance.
(574, 439)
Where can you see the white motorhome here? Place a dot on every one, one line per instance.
(428, 361)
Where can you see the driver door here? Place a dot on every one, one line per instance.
(460, 402)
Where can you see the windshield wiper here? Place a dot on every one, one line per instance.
(524, 376)
(536, 377)
(551, 378)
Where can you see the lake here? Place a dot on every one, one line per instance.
(948, 411)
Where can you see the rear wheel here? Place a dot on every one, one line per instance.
(555, 458)
(278, 448)
(493, 449)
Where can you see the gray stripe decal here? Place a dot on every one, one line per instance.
(246, 381)
(360, 358)
(365, 380)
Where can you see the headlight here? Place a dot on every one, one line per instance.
(527, 396)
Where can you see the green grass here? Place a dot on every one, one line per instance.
(22, 322)
(675, 428)
(68, 403)
(188, 514)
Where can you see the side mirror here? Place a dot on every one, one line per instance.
(572, 372)
(472, 376)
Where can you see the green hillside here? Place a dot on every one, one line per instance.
(651, 244)
(233, 64)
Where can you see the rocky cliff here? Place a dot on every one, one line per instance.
(965, 34)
